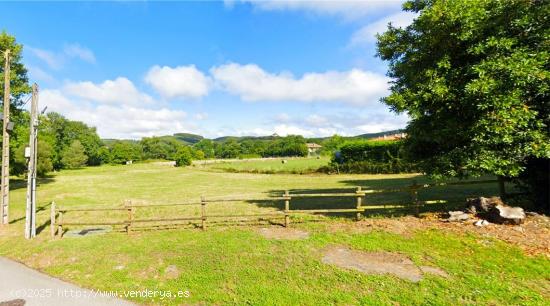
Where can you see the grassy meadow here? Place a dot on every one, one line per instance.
(273, 165)
(236, 265)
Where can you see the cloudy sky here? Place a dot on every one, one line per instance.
(135, 69)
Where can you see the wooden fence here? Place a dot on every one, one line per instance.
(58, 214)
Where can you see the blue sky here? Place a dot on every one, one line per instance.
(135, 69)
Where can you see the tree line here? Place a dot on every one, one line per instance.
(68, 144)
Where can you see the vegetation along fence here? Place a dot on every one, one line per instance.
(59, 214)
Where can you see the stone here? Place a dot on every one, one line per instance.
(457, 216)
(482, 205)
(504, 214)
(481, 223)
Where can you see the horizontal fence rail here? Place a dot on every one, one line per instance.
(57, 214)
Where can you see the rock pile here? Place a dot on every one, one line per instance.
(490, 209)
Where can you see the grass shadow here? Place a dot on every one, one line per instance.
(19, 183)
(38, 209)
(444, 198)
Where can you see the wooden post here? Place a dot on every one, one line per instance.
(287, 208)
(203, 213)
(130, 209)
(5, 185)
(60, 224)
(359, 198)
(52, 220)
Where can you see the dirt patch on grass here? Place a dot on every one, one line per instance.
(373, 262)
(531, 236)
(434, 270)
(282, 233)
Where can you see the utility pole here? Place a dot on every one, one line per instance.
(5, 189)
(31, 154)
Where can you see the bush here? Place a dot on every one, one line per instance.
(372, 157)
(184, 157)
(44, 162)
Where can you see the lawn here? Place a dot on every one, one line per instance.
(273, 165)
(236, 265)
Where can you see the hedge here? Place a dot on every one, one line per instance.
(369, 156)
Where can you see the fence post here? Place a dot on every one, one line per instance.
(52, 220)
(359, 198)
(414, 197)
(203, 213)
(287, 208)
(60, 224)
(130, 209)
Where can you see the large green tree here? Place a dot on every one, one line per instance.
(473, 75)
(19, 82)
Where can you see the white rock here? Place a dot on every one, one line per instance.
(481, 223)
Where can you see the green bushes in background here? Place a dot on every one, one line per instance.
(369, 156)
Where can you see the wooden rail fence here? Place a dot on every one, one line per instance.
(57, 214)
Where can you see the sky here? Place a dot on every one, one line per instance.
(214, 68)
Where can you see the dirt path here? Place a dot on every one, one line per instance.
(20, 285)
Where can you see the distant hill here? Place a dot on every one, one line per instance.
(110, 141)
(188, 138)
(241, 138)
(191, 139)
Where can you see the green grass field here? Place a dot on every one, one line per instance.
(271, 166)
(236, 265)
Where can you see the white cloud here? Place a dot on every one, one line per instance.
(50, 58)
(117, 121)
(367, 34)
(285, 129)
(201, 116)
(282, 117)
(346, 123)
(316, 120)
(36, 73)
(380, 127)
(56, 60)
(83, 53)
(346, 8)
(181, 81)
(252, 83)
(118, 91)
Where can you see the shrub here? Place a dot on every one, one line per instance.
(184, 157)
(372, 157)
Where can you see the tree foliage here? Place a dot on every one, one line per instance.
(74, 156)
(183, 157)
(474, 77)
(19, 82)
(160, 147)
(123, 151)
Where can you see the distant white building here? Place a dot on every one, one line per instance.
(313, 148)
(392, 136)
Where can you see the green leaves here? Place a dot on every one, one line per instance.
(475, 81)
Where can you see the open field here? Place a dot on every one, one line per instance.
(237, 265)
(271, 165)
